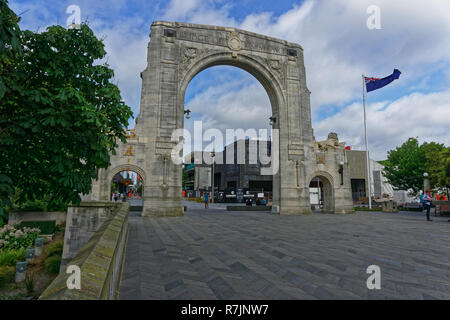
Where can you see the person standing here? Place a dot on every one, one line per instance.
(427, 203)
(205, 196)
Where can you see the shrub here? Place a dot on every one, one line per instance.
(47, 203)
(54, 249)
(59, 228)
(7, 275)
(11, 257)
(46, 227)
(29, 283)
(16, 237)
(410, 209)
(52, 264)
(31, 206)
(367, 209)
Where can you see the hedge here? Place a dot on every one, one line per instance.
(47, 227)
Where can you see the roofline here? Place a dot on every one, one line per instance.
(220, 28)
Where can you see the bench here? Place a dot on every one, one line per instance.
(442, 208)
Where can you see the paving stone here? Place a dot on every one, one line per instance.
(215, 254)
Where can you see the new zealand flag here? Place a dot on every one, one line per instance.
(377, 83)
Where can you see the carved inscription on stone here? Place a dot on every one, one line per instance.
(234, 41)
(220, 38)
(263, 45)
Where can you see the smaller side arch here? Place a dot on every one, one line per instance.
(321, 173)
(328, 189)
(120, 168)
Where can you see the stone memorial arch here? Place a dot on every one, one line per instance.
(179, 51)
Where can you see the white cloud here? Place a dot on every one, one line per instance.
(339, 47)
(126, 48)
(199, 11)
(391, 123)
(415, 37)
(238, 104)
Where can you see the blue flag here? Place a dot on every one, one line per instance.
(376, 83)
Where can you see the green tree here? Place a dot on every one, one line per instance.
(9, 43)
(405, 166)
(9, 50)
(60, 116)
(432, 154)
(443, 172)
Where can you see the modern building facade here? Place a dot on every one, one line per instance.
(243, 170)
(248, 176)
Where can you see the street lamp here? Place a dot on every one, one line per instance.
(272, 120)
(187, 113)
(341, 171)
(426, 182)
(213, 154)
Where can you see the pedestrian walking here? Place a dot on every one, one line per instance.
(205, 197)
(426, 200)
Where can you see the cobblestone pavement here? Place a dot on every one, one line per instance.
(216, 254)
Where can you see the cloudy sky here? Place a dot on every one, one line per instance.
(338, 48)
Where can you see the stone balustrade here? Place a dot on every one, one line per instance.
(100, 260)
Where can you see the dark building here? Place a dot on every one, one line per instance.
(239, 175)
(243, 173)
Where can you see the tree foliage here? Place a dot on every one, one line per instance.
(60, 116)
(405, 166)
(9, 42)
(9, 50)
(443, 171)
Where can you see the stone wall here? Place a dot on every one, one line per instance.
(176, 53)
(17, 217)
(82, 222)
(100, 259)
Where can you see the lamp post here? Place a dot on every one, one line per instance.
(272, 120)
(187, 113)
(341, 171)
(213, 154)
(426, 182)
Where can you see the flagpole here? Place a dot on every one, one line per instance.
(369, 182)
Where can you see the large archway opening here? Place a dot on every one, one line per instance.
(126, 183)
(224, 99)
(321, 194)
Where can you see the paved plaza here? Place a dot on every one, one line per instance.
(219, 254)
